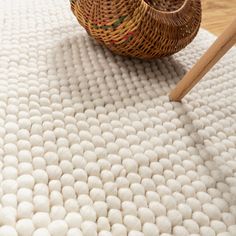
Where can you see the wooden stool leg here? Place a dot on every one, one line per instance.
(205, 63)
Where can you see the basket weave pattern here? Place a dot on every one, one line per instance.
(140, 28)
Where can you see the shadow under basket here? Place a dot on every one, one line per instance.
(142, 28)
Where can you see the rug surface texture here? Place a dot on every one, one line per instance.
(90, 143)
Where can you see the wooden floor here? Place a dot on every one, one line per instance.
(217, 14)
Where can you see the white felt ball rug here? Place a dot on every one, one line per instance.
(90, 143)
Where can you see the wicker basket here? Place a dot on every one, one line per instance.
(140, 28)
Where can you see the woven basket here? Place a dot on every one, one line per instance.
(140, 28)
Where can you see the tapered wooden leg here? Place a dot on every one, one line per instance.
(205, 63)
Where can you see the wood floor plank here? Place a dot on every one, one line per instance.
(217, 14)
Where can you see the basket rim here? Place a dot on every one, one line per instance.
(183, 7)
